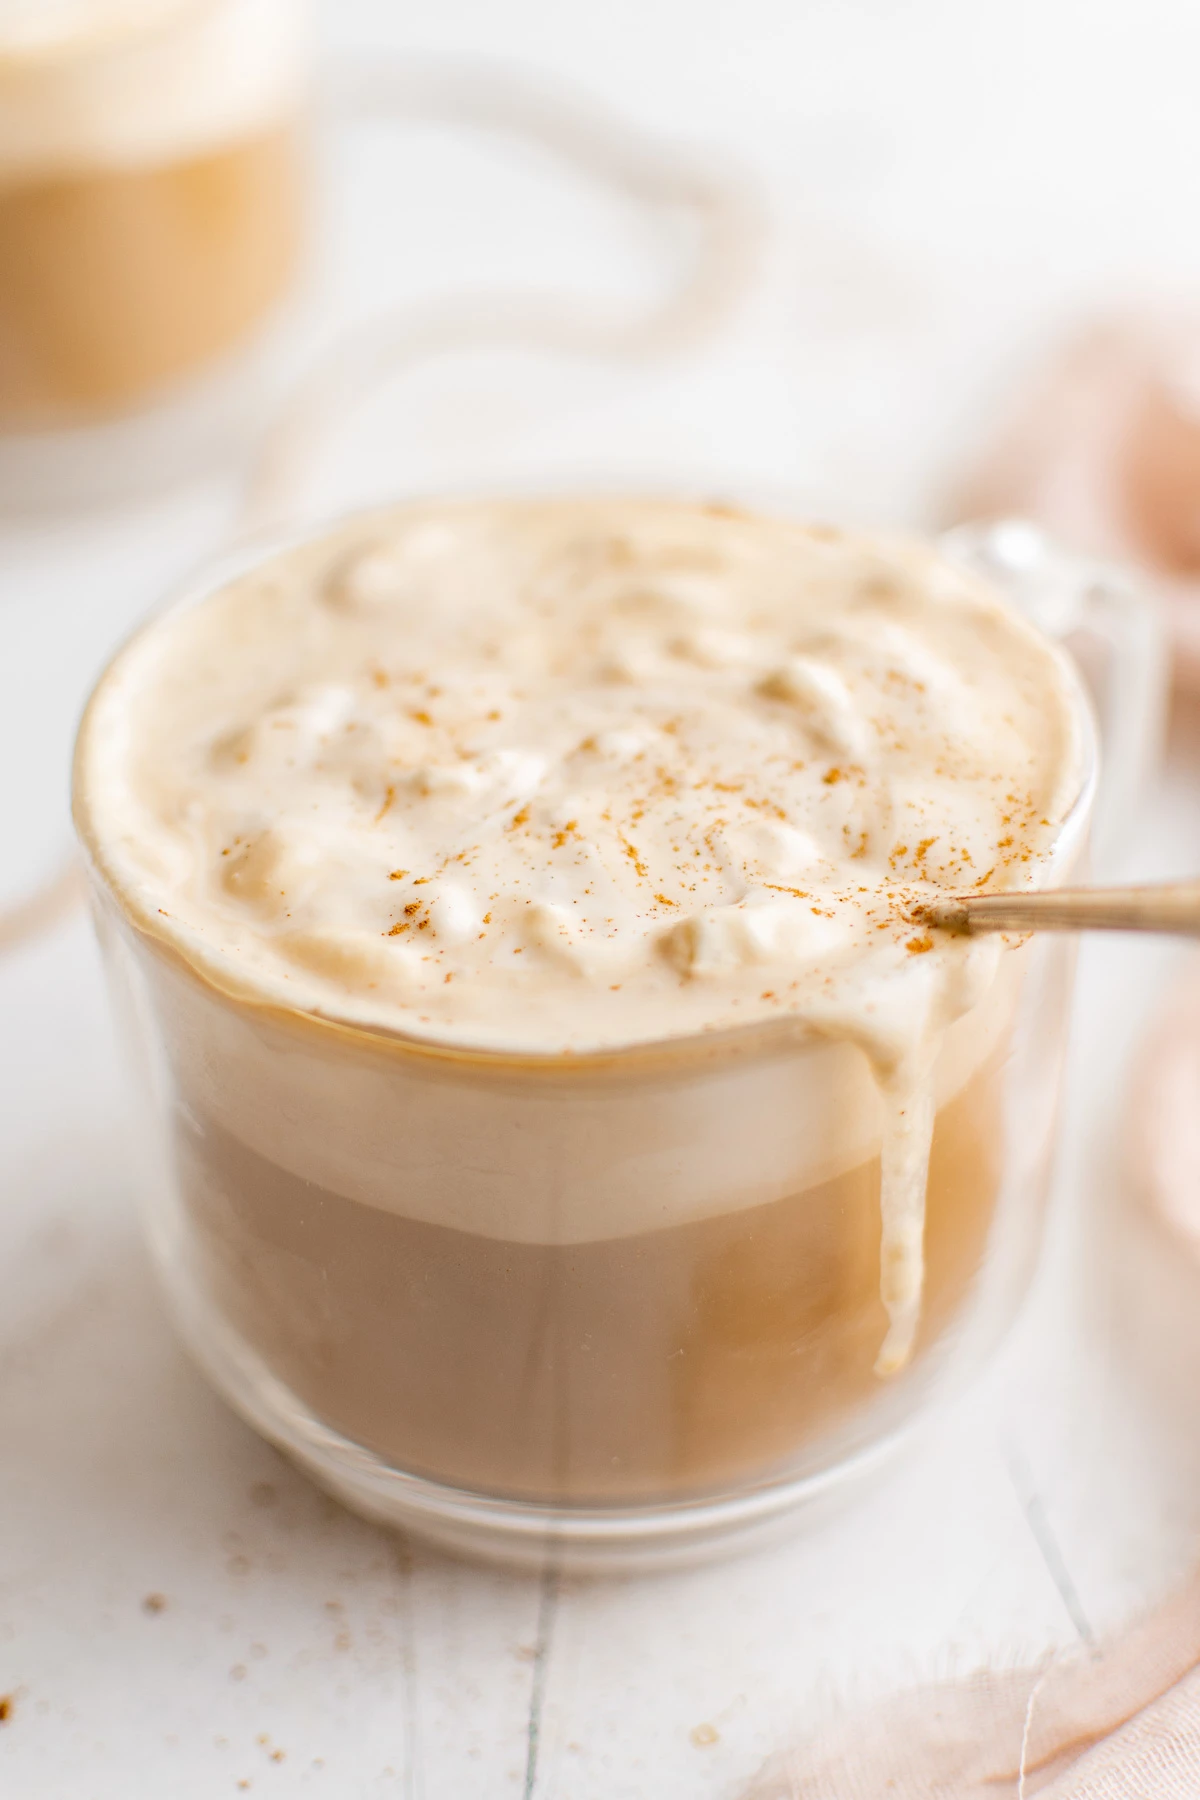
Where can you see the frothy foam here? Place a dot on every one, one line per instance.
(93, 84)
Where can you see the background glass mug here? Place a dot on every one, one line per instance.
(152, 191)
(155, 186)
(385, 1252)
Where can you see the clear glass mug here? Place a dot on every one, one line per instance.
(153, 184)
(384, 1252)
(156, 186)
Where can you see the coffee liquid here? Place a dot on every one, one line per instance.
(117, 283)
(641, 1368)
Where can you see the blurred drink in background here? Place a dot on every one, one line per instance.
(151, 194)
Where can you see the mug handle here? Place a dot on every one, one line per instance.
(669, 184)
(1114, 629)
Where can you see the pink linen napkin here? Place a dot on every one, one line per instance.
(1101, 445)
(1122, 1723)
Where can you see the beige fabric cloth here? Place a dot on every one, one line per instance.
(1119, 1724)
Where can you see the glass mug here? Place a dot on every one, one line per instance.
(384, 1251)
(152, 186)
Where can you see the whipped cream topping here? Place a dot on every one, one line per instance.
(559, 777)
(94, 84)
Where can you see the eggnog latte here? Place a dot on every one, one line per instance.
(563, 1101)
(150, 192)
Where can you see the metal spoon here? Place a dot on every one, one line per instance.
(1170, 906)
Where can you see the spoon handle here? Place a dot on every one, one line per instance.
(1172, 906)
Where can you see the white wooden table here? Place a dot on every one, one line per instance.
(180, 1613)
